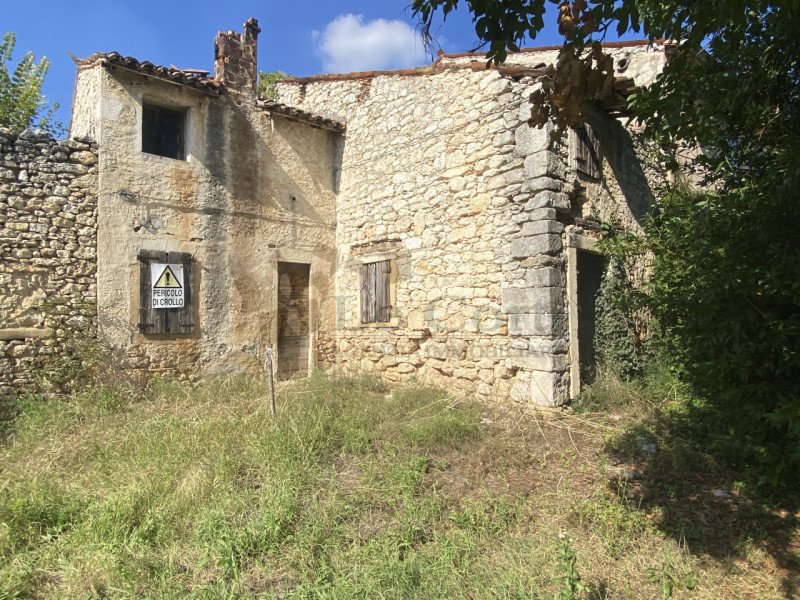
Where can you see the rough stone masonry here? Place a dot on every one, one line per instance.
(48, 212)
(408, 223)
(481, 215)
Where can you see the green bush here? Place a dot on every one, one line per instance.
(725, 292)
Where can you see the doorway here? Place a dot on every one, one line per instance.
(590, 268)
(293, 319)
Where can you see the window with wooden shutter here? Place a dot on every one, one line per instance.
(376, 304)
(588, 159)
(157, 276)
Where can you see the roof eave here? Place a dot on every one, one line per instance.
(301, 116)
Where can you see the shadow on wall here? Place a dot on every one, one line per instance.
(627, 168)
(256, 177)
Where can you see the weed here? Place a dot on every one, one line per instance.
(570, 586)
(667, 579)
(611, 520)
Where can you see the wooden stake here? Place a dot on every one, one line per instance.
(270, 381)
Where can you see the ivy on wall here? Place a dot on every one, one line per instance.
(622, 317)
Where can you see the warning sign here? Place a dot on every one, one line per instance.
(167, 283)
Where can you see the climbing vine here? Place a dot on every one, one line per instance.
(622, 317)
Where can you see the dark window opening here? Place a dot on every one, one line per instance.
(588, 159)
(376, 304)
(162, 131)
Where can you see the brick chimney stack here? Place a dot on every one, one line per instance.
(236, 58)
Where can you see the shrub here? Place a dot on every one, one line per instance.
(725, 292)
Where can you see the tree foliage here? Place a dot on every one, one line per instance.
(725, 292)
(267, 83)
(21, 98)
(724, 289)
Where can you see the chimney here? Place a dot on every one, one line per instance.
(236, 59)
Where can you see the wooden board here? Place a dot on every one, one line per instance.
(294, 311)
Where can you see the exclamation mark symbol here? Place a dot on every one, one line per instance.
(167, 274)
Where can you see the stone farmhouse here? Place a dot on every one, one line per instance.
(411, 223)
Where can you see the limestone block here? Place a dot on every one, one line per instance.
(546, 389)
(544, 277)
(470, 325)
(540, 214)
(389, 361)
(20, 351)
(545, 163)
(413, 243)
(445, 368)
(518, 344)
(483, 389)
(493, 326)
(549, 199)
(539, 361)
(540, 227)
(541, 324)
(407, 345)
(532, 300)
(85, 157)
(460, 293)
(521, 388)
(544, 182)
(464, 373)
(552, 346)
(533, 245)
(530, 140)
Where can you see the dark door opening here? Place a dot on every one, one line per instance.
(590, 268)
(293, 319)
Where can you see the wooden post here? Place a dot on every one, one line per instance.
(270, 382)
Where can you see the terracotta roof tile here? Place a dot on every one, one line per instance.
(297, 114)
(194, 78)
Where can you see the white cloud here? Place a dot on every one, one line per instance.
(349, 44)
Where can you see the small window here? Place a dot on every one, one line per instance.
(376, 304)
(587, 151)
(162, 131)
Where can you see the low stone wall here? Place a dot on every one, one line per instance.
(48, 241)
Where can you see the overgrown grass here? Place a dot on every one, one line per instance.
(355, 491)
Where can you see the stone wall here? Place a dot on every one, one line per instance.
(444, 176)
(48, 211)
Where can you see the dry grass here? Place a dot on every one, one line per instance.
(362, 491)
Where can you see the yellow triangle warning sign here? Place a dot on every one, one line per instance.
(167, 279)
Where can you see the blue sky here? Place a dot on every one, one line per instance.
(301, 37)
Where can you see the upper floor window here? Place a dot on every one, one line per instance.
(588, 159)
(163, 131)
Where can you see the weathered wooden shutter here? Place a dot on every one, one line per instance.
(376, 304)
(587, 151)
(368, 293)
(383, 301)
(165, 320)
